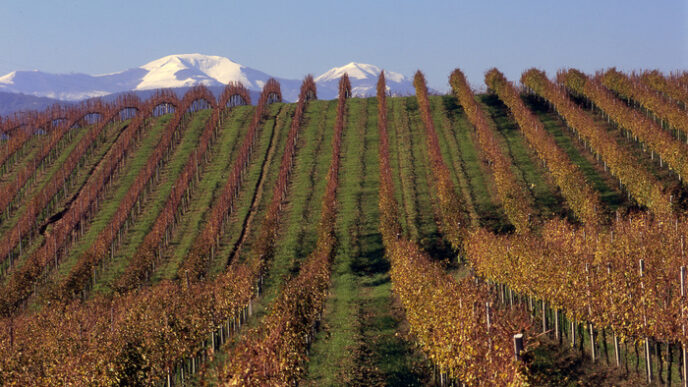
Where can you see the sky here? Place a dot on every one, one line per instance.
(290, 39)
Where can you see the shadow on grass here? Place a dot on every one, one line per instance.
(490, 213)
(545, 193)
(390, 358)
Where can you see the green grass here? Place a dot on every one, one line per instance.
(409, 170)
(50, 164)
(72, 187)
(301, 215)
(270, 179)
(337, 341)
(154, 203)
(78, 176)
(82, 171)
(74, 184)
(212, 180)
(452, 155)
(23, 154)
(450, 150)
(480, 181)
(400, 161)
(428, 233)
(42, 174)
(28, 152)
(272, 128)
(363, 338)
(527, 167)
(358, 342)
(600, 180)
(135, 162)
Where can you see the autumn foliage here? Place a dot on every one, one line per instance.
(452, 207)
(448, 318)
(20, 283)
(631, 89)
(643, 128)
(273, 354)
(148, 254)
(138, 337)
(623, 275)
(581, 197)
(673, 87)
(515, 199)
(596, 277)
(196, 263)
(641, 185)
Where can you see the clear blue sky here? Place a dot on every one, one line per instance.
(293, 38)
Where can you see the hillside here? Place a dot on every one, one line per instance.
(398, 240)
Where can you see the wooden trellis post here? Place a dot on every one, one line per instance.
(684, 366)
(518, 346)
(648, 359)
(489, 325)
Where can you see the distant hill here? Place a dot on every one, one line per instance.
(17, 102)
(21, 89)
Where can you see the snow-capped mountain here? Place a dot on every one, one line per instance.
(173, 71)
(192, 69)
(186, 70)
(363, 78)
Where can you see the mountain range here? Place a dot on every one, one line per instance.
(28, 90)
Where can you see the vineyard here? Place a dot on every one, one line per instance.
(534, 234)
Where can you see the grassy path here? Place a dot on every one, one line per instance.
(246, 209)
(480, 180)
(452, 154)
(269, 180)
(427, 216)
(212, 179)
(133, 162)
(409, 170)
(136, 161)
(154, 202)
(399, 162)
(529, 168)
(78, 177)
(599, 178)
(21, 156)
(301, 211)
(298, 233)
(358, 342)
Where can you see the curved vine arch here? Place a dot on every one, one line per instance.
(309, 90)
(164, 101)
(234, 94)
(200, 93)
(345, 86)
(271, 93)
